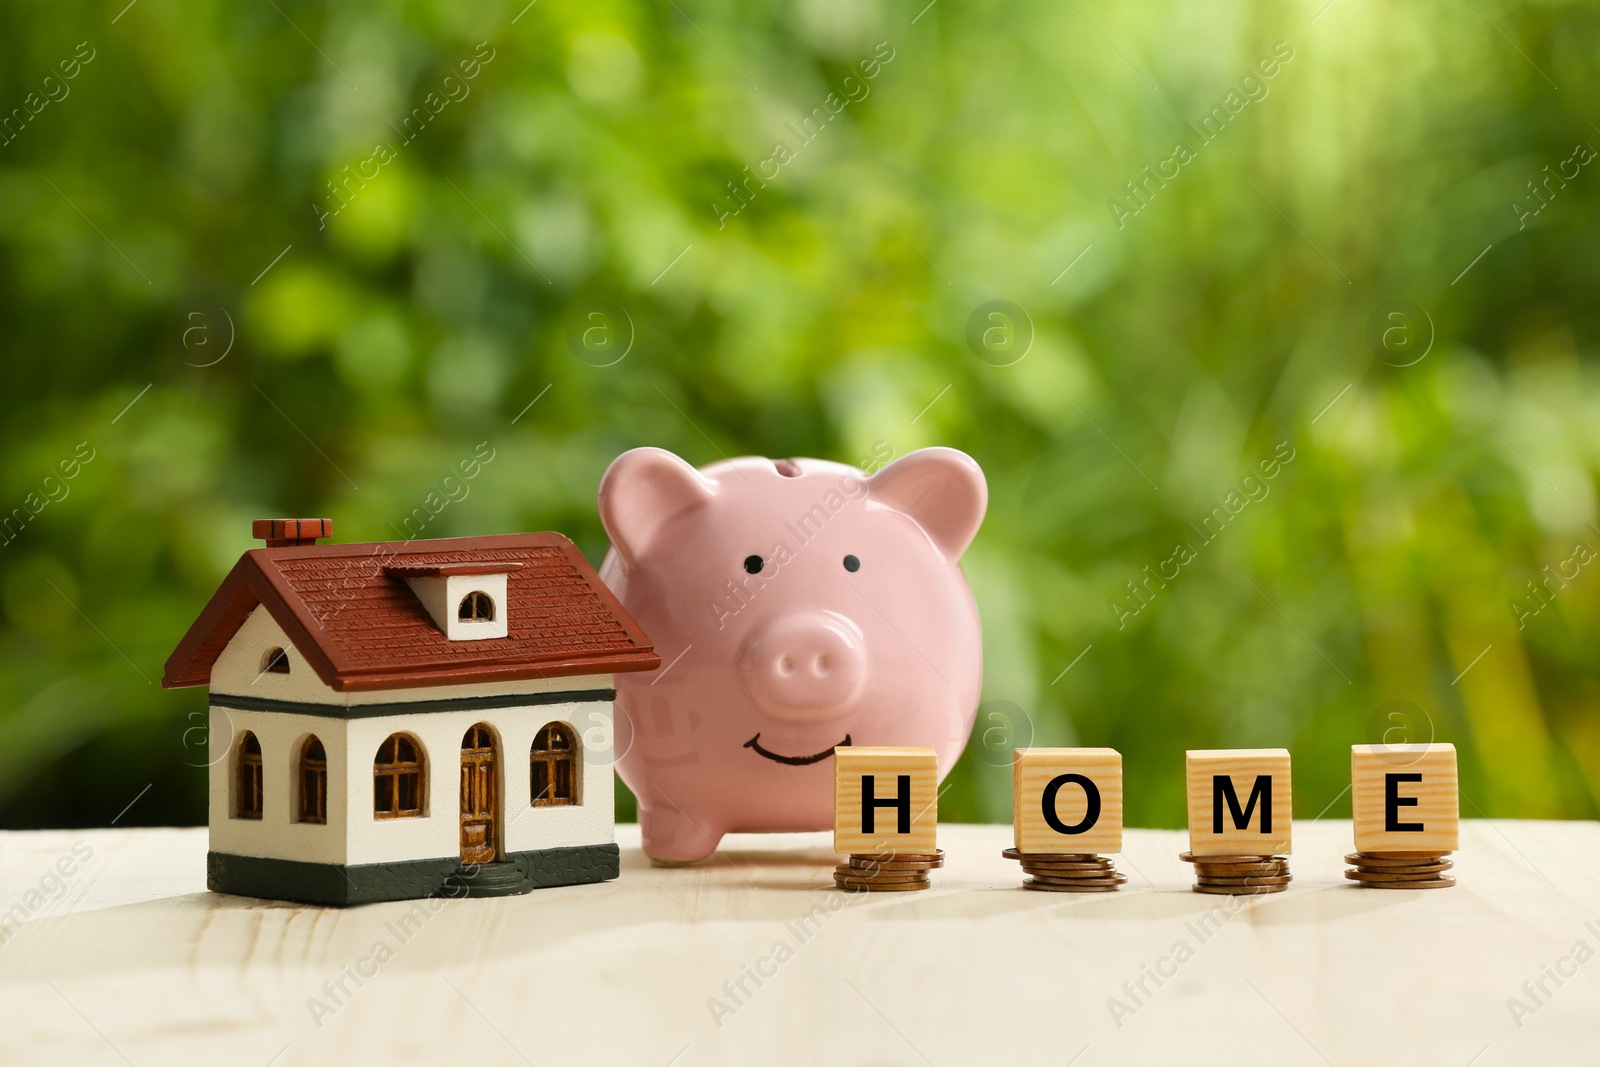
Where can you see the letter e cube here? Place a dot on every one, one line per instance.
(1403, 798)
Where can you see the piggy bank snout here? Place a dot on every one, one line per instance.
(805, 666)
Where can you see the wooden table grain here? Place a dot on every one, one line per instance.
(114, 953)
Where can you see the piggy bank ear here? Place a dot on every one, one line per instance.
(641, 491)
(943, 489)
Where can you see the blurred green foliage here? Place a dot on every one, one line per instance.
(180, 297)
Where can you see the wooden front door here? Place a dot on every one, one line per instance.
(477, 795)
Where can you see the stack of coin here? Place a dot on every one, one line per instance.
(889, 872)
(1067, 872)
(1400, 870)
(1239, 875)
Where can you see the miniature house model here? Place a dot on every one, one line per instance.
(406, 719)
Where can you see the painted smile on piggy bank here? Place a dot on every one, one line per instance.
(794, 761)
(798, 605)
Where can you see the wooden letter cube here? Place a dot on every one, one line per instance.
(885, 800)
(1240, 803)
(1067, 800)
(1404, 799)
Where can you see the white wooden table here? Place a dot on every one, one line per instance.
(134, 962)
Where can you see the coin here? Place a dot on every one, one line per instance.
(1201, 870)
(858, 863)
(1443, 865)
(846, 872)
(1426, 875)
(1437, 883)
(888, 876)
(1061, 872)
(1250, 879)
(1076, 858)
(893, 887)
(1047, 865)
(1055, 887)
(1394, 859)
(1190, 857)
(1065, 861)
(1238, 890)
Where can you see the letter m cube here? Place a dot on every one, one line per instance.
(885, 800)
(1240, 802)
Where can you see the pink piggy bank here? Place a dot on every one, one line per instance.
(797, 605)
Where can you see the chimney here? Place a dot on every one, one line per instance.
(282, 533)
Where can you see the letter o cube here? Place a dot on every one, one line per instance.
(1067, 800)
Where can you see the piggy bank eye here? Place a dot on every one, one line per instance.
(752, 564)
(852, 564)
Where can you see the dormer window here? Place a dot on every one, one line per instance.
(466, 600)
(274, 661)
(476, 606)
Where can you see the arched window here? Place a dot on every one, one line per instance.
(313, 781)
(397, 775)
(247, 778)
(476, 607)
(275, 661)
(554, 766)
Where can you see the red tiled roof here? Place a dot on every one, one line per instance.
(362, 629)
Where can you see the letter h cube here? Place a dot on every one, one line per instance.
(885, 800)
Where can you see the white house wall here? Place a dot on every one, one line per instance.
(352, 835)
(276, 834)
(521, 826)
(238, 668)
